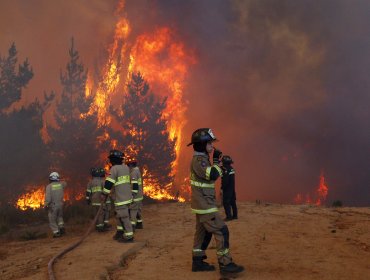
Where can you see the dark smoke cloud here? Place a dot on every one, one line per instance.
(284, 84)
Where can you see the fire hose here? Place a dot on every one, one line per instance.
(73, 246)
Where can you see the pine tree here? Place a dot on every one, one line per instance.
(145, 131)
(12, 82)
(23, 155)
(74, 139)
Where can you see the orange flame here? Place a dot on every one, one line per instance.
(152, 188)
(164, 63)
(35, 198)
(320, 194)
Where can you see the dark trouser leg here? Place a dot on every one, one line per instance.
(235, 209)
(227, 207)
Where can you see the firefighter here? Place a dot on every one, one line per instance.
(119, 178)
(54, 194)
(203, 203)
(93, 193)
(137, 193)
(228, 188)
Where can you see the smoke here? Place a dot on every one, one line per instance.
(283, 84)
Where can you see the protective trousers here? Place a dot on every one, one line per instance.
(101, 218)
(228, 205)
(139, 217)
(123, 222)
(107, 213)
(206, 226)
(134, 209)
(55, 215)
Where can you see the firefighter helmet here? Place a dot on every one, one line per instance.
(97, 172)
(54, 176)
(116, 154)
(202, 135)
(227, 160)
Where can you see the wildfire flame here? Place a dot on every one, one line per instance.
(163, 60)
(164, 63)
(35, 198)
(151, 188)
(319, 197)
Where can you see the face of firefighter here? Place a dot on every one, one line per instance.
(209, 147)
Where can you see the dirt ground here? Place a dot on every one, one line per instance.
(272, 241)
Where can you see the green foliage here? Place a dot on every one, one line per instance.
(74, 141)
(21, 143)
(145, 131)
(12, 81)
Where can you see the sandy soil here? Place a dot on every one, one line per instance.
(272, 241)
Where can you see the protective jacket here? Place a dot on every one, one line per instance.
(228, 183)
(135, 176)
(203, 195)
(94, 190)
(54, 194)
(119, 175)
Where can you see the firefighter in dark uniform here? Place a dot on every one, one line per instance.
(119, 178)
(203, 203)
(228, 189)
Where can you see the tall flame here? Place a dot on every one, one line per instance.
(320, 194)
(163, 61)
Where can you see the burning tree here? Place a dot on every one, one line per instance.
(145, 133)
(21, 142)
(74, 139)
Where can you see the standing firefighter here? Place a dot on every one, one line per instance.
(54, 204)
(137, 193)
(119, 177)
(228, 188)
(93, 194)
(203, 203)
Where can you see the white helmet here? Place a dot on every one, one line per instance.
(54, 176)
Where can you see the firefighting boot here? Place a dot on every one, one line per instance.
(231, 268)
(101, 229)
(119, 234)
(56, 234)
(200, 265)
(62, 230)
(107, 226)
(139, 225)
(123, 239)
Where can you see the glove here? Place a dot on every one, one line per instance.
(46, 207)
(216, 156)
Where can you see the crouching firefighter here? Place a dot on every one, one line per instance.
(137, 193)
(93, 194)
(203, 203)
(54, 194)
(119, 178)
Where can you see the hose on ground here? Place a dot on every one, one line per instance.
(70, 248)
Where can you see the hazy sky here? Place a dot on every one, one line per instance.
(283, 84)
